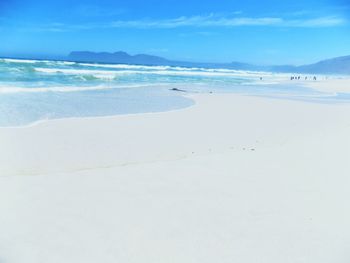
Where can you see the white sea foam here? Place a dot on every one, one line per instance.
(24, 61)
(142, 67)
(174, 68)
(124, 69)
(125, 66)
(110, 74)
(15, 89)
(106, 75)
(34, 61)
(67, 63)
(49, 89)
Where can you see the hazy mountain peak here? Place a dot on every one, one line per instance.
(339, 65)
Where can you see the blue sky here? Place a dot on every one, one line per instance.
(256, 31)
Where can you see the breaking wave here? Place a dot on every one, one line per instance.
(34, 90)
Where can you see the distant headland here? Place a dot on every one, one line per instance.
(339, 65)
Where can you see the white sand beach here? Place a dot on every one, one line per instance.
(230, 179)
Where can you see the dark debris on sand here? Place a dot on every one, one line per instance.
(176, 89)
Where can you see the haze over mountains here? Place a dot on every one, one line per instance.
(121, 57)
(340, 65)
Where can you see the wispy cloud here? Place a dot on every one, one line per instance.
(201, 22)
(50, 27)
(318, 22)
(198, 21)
(238, 12)
(216, 21)
(198, 33)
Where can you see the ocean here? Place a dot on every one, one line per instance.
(37, 90)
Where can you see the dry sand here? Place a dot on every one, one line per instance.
(231, 179)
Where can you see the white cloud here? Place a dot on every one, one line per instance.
(200, 22)
(239, 12)
(217, 21)
(318, 22)
(197, 21)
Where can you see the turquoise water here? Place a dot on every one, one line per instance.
(33, 90)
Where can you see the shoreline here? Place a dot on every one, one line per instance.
(43, 122)
(335, 86)
(233, 178)
(19, 141)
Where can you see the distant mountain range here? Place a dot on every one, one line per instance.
(340, 65)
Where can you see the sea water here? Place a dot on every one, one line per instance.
(35, 90)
